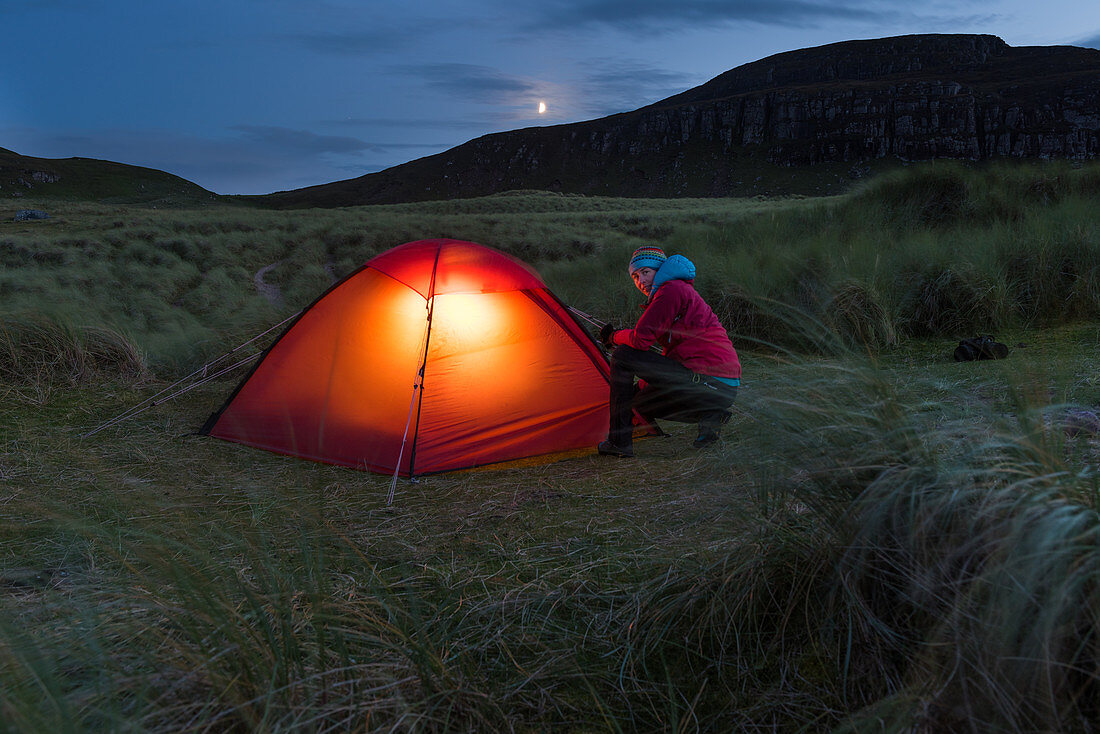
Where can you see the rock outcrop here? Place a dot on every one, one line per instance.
(834, 107)
(28, 215)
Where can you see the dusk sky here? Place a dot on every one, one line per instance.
(256, 96)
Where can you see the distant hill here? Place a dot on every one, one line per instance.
(806, 121)
(809, 121)
(89, 179)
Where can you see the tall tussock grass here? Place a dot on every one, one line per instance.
(901, 564)
(944, 194)
(934, 250)
(962, 594)
(949, 301)
(41, 350)
(938, 250)
(894, 584)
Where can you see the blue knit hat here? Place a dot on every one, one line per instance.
(648, 256)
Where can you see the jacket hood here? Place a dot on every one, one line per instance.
(677, 267)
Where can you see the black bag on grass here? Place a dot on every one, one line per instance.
(980, 347)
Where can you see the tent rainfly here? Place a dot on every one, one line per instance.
(433, 356)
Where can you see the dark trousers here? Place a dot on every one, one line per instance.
(672, 391)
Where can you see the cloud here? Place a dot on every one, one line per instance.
(620, 86)
(361, 35)
(659, 17)
(1093, 42)
(471, 82)
(302, 141)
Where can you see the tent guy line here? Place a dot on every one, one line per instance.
(202, 373)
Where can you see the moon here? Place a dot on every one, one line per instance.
(542, 108)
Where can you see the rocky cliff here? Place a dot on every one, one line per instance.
(783, 124)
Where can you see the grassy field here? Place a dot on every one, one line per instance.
(885, 540)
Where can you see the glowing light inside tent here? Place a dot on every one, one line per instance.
(542, 108)
(467, 318)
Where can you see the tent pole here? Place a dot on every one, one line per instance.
(600, 324)
(590, 319)
(418, 386)
(405, 437)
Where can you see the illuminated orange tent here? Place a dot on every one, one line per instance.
(435, 355)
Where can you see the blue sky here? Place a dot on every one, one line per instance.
(256, 96)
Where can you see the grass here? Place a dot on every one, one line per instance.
(884, 539)
(909, 541)
(203, 574)
(939, 250)
(180, 284)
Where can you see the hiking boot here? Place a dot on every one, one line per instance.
(710, 428)
(708, 435)
(606, 448)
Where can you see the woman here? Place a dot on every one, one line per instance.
(693, 380)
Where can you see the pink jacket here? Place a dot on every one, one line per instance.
(677, 318)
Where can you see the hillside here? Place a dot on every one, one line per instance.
(807, 121)
(84, 179)
(810, 121)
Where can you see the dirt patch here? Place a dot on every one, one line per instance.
(272, 293)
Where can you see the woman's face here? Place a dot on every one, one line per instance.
(643, 278)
